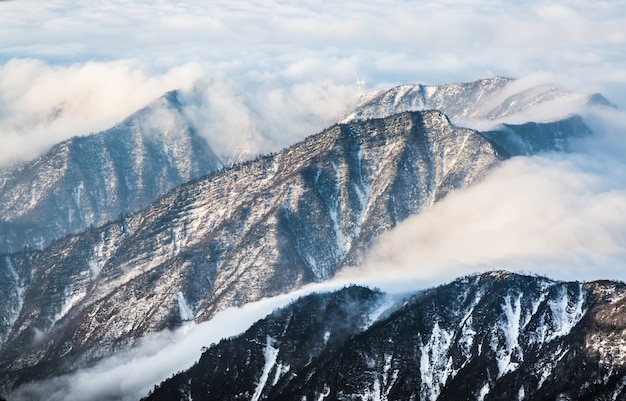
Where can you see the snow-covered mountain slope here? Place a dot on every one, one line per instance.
(253, 230)
(499, 99)
(88, 181)
(496, 336)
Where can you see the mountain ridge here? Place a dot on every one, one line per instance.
(90, 180)
(259, 228)
(491, 336)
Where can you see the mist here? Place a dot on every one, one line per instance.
(562, 215)
(130, 375)
(275, 73)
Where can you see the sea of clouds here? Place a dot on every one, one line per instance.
(274, 72)
(268, 73)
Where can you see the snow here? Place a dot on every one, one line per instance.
(77, 194)
(466, 341)
(545, 370)
(19, 291)
(435, 363)
(279, 372)
(333, 211)
(271, 354)
(484, 390)
(176, 241)
(566, 312)
(510, 327)
(325, 393)
(186, 313)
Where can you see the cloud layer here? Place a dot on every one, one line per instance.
(130, 375)
(560, 215)
(69, 68)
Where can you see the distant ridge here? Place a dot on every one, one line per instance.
(90, 180)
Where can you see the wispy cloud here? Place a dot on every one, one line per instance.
(119, 55)
(131, 374)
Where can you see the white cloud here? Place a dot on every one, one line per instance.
(103, 61)
(562, 215)
(131, 374)
(41, 104)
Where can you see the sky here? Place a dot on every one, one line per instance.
(277, 71)
(273, 72)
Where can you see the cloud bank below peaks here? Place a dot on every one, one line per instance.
(559, 214)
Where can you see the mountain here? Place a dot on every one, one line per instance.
(253, 230)
(496, 98)
(532, 138)
(495, 336)
(91, 180)
(249, 231)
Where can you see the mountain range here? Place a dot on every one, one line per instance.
(139, 259)
(495, 336)
(91, 180)
(497, 99)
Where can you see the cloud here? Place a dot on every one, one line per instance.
(41, 104)
(561, 215)
(247, 123)
(100, 62)
(130, 375)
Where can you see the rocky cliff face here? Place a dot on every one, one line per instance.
(496, 336)
(88, 181)
(253, 230)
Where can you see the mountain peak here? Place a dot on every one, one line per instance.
(93, 179)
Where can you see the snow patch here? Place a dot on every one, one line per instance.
(19, 292)
(77, 193)
(484, 390)
(510, 328)
(271, 354)
(325, 393)
(435, 363)
(333, 211)
(186, 313)
(566, 312)
(279, 372)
